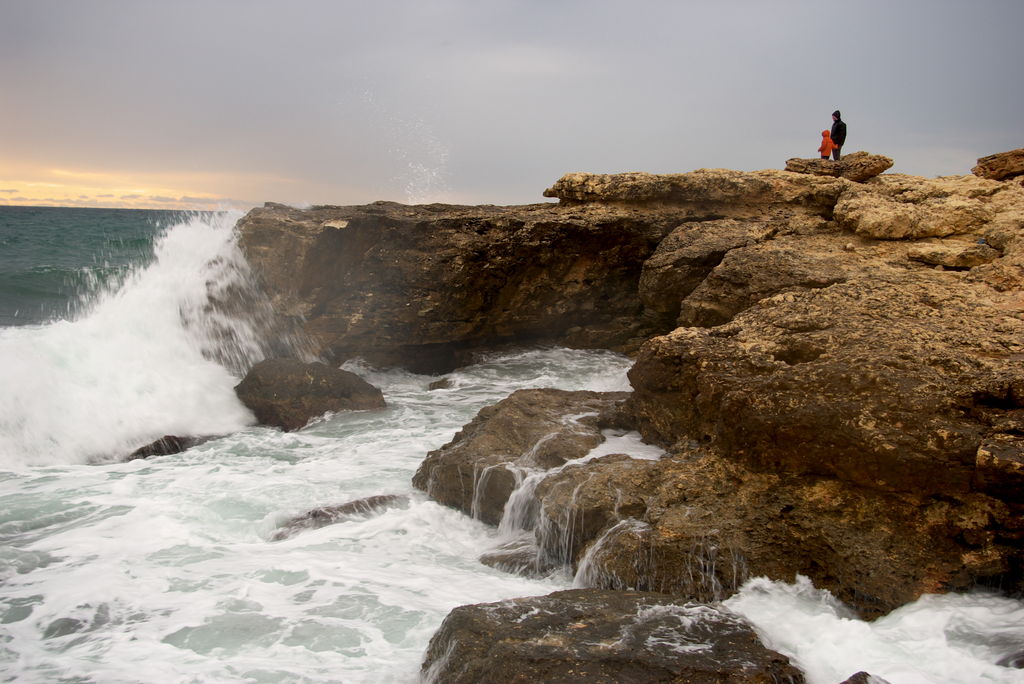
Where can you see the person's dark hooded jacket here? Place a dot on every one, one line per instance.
(838, 129)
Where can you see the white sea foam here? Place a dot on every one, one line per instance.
(935, 640)
(163, 570)
(137, 365)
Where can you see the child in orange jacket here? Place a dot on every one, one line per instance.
(826, 145)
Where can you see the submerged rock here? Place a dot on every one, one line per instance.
(287, 393)
(165, 446)
(329, 515)
(600, 636)
(864, 678)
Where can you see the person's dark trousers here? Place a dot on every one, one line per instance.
(835, 153)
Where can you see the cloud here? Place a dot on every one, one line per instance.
(488, 102)
(12, 191)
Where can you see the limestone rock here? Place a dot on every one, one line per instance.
(1001, 166)
(531, 429)
(701, 188)
(894, 207)
(746, 275)
(859, 381)
(287, 393)
(425, 287)
(687, 255)
(602, 637)
(856, 166)
(833, 405)
(956, 255)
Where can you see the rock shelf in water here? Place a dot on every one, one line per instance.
(835, 368)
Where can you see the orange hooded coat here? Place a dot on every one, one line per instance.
(826, 145)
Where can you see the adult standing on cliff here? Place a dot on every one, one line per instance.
(838, 134)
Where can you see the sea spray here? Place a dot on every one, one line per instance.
(156, 353)
(935, 640)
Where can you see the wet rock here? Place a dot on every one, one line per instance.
(519, 557)
(531, 429)
(599, 636)
(864, 678)
(1001, 166)
(443, 383)
(287, 393)
(832, 405)
(854, 404)
(425, 287)
(856, 166)
(165, 446)
(329, 515)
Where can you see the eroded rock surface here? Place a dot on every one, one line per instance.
(856, 166)
(600, 636)
(530, 430)
(835, 369)
(424, 287)
(1001, 166)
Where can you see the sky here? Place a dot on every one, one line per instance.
(233, 103)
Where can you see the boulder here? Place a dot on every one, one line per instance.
(1001, 166)
(287, 393)
(329, 515)
(530, 430)
(856, 166)
(600, 636)
(955, 255)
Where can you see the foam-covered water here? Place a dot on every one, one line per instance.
(163, 570)
(944, 639)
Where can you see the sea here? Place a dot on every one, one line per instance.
(166, 570)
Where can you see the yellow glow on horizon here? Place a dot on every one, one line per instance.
(25, 185)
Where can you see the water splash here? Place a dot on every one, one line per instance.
(157, 353)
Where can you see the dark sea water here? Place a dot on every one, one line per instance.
(165, 570)
(53, 257)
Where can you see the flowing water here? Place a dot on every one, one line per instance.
(164, 570)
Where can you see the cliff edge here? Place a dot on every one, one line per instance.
(834, 367)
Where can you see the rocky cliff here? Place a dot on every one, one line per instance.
(834, 367)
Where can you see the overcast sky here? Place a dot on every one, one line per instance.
(194, 103)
